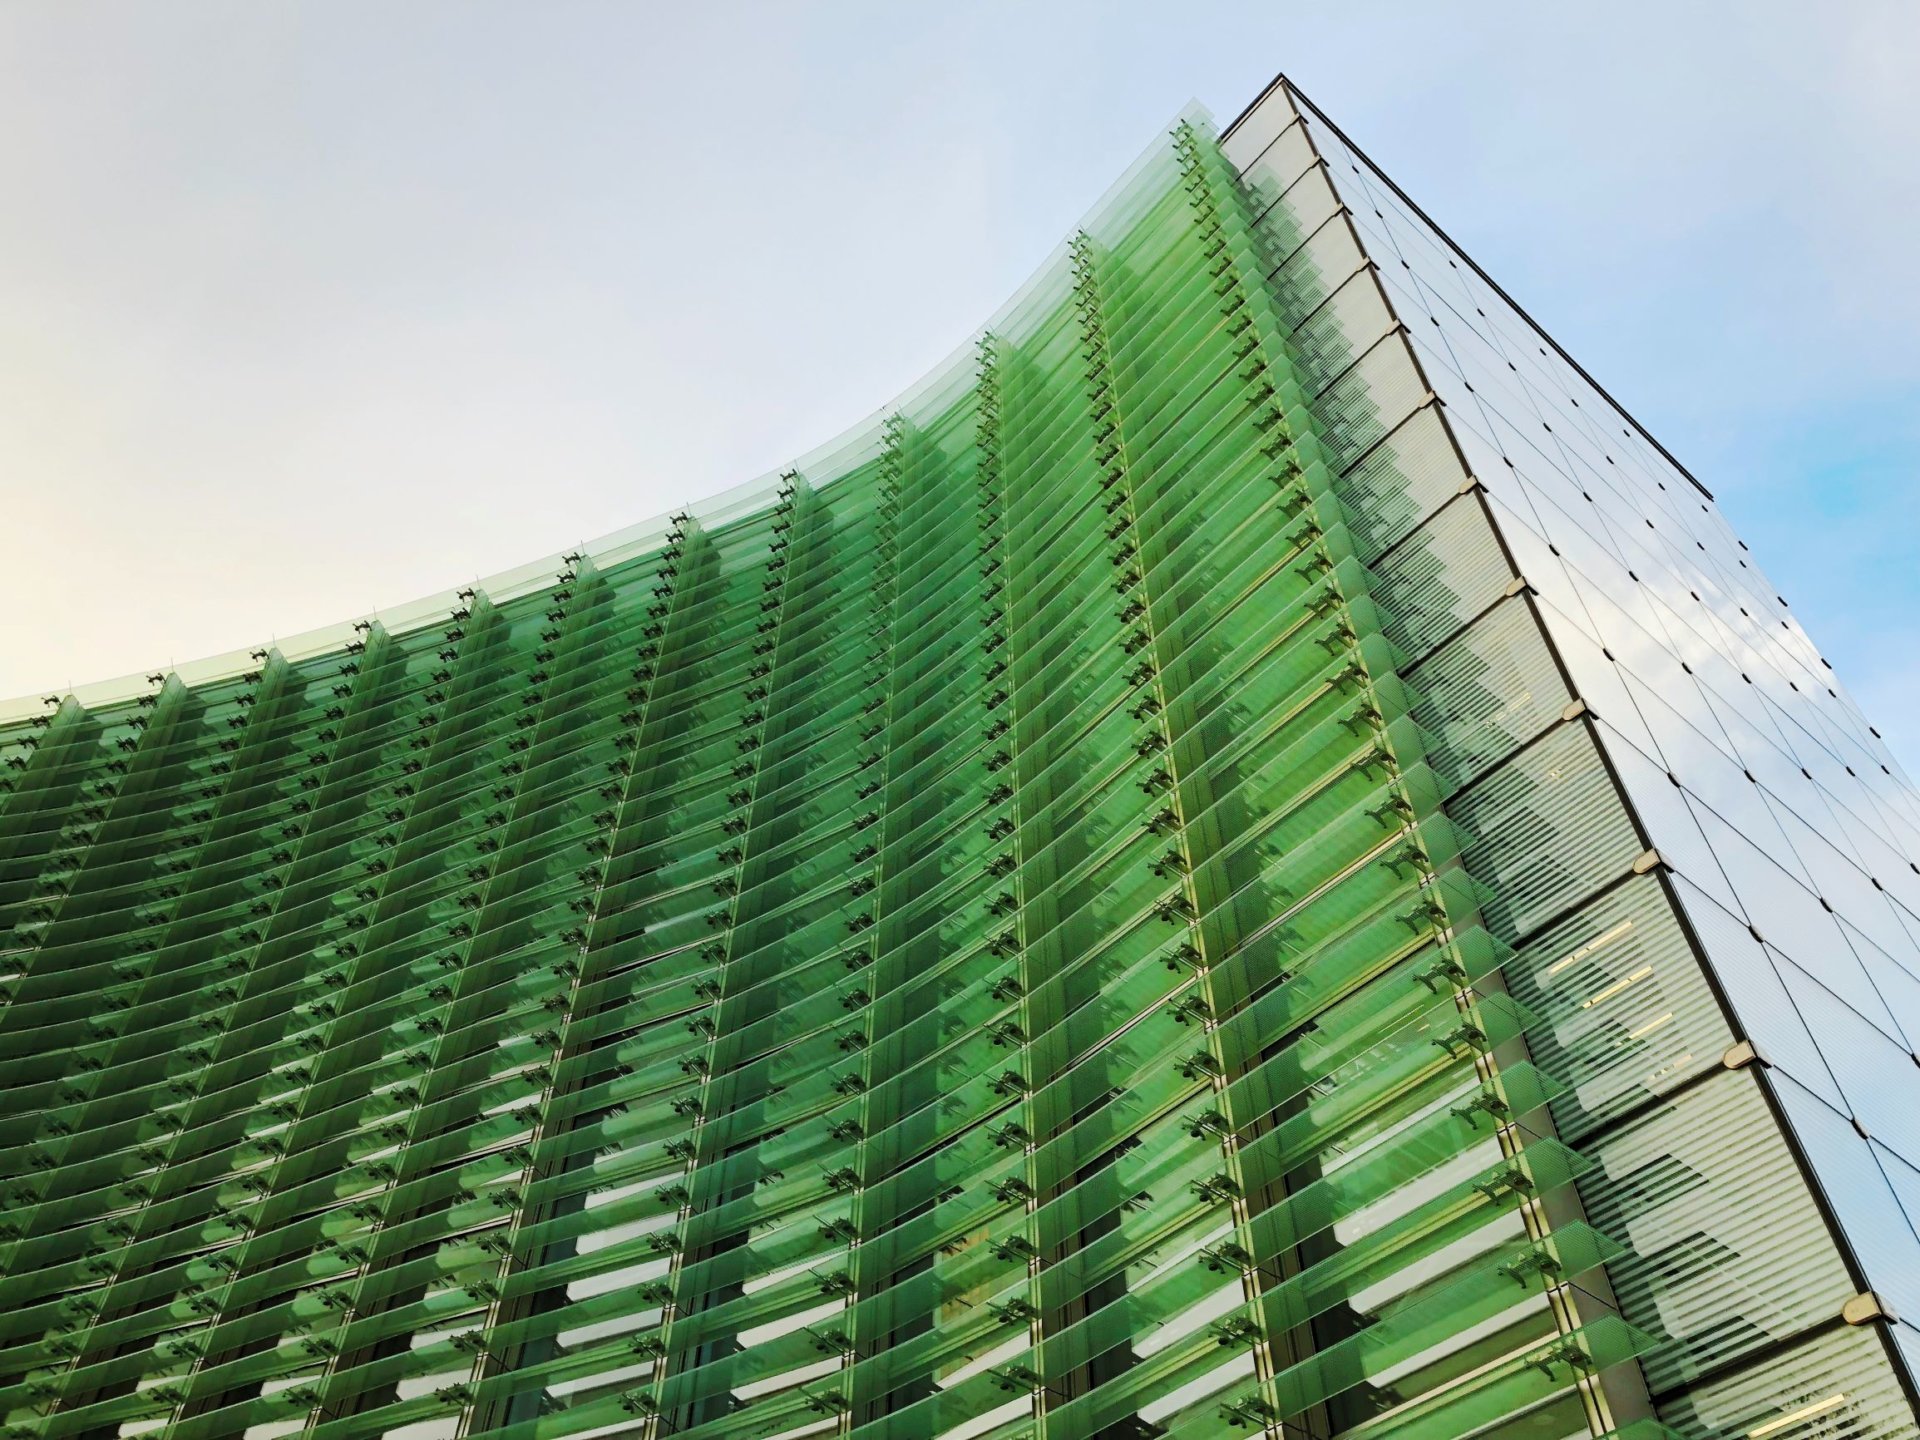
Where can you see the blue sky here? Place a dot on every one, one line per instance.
(309, 308)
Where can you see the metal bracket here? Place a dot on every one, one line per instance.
(1865, 1308)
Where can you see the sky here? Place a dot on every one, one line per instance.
(308, 309)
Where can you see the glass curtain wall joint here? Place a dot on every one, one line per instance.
(1176, 883)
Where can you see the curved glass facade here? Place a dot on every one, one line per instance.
(1108, 902)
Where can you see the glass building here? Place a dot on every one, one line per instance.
(1251, 857)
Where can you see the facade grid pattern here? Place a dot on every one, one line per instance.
(1201, 874)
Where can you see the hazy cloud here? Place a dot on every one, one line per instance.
(307, 308)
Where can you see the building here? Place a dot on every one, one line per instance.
(1252, 856)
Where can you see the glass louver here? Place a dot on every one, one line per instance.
(1108, 902)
